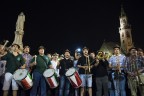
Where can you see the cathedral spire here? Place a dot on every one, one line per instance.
(122, 11)
(125, 32)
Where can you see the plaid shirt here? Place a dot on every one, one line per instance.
(134, 64)
(27, 58)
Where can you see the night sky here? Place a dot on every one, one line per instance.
(69, 25)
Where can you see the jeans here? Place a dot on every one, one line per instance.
(111, 90)
(64, 86)
(119, 86)
(39, 81)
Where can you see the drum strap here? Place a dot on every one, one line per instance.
(44, 61)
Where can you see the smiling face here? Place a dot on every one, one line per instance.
(67, 55)
(85, 51)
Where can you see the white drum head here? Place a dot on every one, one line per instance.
(20, 74)
(70, 72)
(48, 73)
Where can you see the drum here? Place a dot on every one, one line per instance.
(23, 78)
(74, 78)
(51, 78)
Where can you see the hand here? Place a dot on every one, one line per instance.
(86, 67)
(23, 67)
(118, 67)
(34, 63)
(91, 66)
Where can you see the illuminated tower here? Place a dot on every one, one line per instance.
(19, 30)
(125, 32)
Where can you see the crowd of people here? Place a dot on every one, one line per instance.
(93, 73)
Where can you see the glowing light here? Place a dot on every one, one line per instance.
(78, 49)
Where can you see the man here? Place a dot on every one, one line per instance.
(27, 57)
(40, 63)
(101, 75)
(75, 91)
(93, 56)
(140, 53)
(84, 65)
(64, 65)
(116, 63)
(135, 69)
(14, 62)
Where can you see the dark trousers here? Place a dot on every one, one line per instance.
(102, 84)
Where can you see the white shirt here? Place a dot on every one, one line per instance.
(54, 65)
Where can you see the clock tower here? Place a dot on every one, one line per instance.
(125, 32)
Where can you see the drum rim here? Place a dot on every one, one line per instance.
(71, 74)
(49, 76)
(24, 76)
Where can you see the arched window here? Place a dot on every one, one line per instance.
(123, 41)
(127, 34)
(122, 34)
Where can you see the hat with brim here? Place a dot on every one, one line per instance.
(16, 45)
(116, 46)
(85, 48)
(133, 48)
(67, 51)
(41, 47)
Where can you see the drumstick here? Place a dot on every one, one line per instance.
(5, 44)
